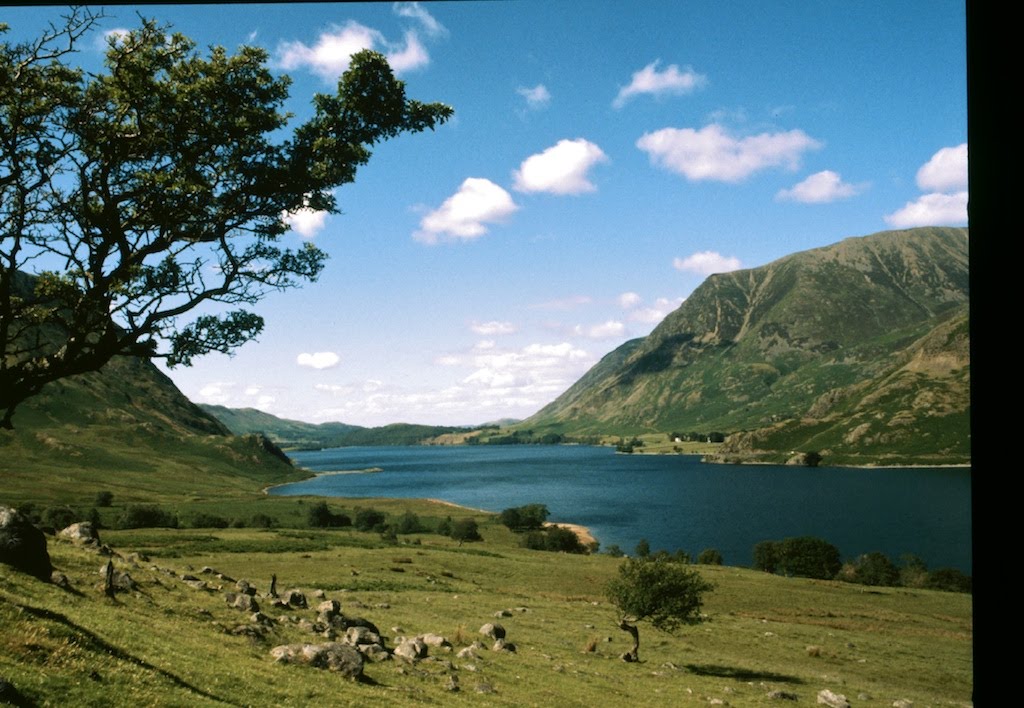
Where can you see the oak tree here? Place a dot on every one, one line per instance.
(142, 207)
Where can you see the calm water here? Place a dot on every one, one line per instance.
(674, 501)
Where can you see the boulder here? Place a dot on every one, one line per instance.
(493, 630)
(411, 649)
(22, 545)
(435, 640)
(294, 598)
(331, 656)
(832, 700)
(246, 588)
(83, 533)
(361, 635)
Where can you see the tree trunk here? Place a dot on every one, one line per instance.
(108, 580)
(633, 654)
(273, 585)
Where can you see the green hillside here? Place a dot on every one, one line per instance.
(860, 348)
(284, 432)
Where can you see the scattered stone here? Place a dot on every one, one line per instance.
(246, 588)
(782, 696)
(361, 635)
(83, 533)
(902, 703)
(207, 570)
(22, 545)
(494, 631)
(246, 603)
(331, 656)
(361, 622)
(502, 645)
(189, 578)
(60, 580)
(295, 598)
(716, 702)
(484, 688)
(503, 613)
(328, 608)
(467, 653)
(319, 594)
(452, 684)
(383, 606)
(813, 650)
(435, 640)
(197, 584)
(411, 649)
(225, 578)
(864, 697)
(521, 609)
(832, 700)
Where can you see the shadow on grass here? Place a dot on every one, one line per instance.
(739, 674)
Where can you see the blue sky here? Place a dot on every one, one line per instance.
(604, 158)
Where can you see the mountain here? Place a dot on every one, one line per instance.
(859, 350)
(127, 428)
(284, 432)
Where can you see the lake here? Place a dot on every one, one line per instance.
(673, 501)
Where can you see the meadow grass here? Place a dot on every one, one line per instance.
(169, 644)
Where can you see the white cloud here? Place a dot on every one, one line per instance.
(305, 221)
(537, 97)
(318, 360)
(606, 330)
(115, 36)
(819, 188)
(332, 53)
(493, 327)
(712, 154)
(629, 300)
(670, 81)
(217, 392)
(931, 210)
(412, 56)
(946, 171)
(656, 313)
(463, 215)
(706, 263)
(416, 11)
(561, 169)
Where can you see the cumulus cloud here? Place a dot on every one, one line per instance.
(706, 263)
(650, 81)
(464, 215)
(331, 55)
(819, 188)
(318, 360)
(217, 392)
(656, 312)
(946, 171)
(305, 221)
(537, 97)
(494, 327)
(628, 300)
(416, 11)
(606, 330)
(712, 154)
(931, 210)
(561, 169)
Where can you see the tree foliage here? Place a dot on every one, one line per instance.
(658, 590)
(529, 517)
(148, 201)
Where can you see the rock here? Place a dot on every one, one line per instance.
(452, 684)
(502, 645)
(503, 613)
(411, 650)
(83, 533)
(494, 631)
(246, 588)
(435, 640)
(361, 622)
(467, 653)
(782, 696)
(331, 656)
(328, 608)
(246, 603)
(833, 700)
(361, 635)
(22, 545)
(294, 598)
(902, 703)
(484, 688)
(60, 580)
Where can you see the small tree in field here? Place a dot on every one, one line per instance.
(656, 589)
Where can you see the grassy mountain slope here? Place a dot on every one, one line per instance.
(127, 429)
(286, 433)
(760, 348)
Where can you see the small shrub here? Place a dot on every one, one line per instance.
(766, 556)
(643, 548)
(614, 551)
(466, 530)
(104, 498)
(209, 521)
(60, 517)
(409, 523)
(320, 516)
(444, 527)
(262, 521)
(370, 520)
(875, 569)
(949, 579)
(710, 556)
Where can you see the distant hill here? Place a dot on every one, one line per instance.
(858, 350)
(296, 434)
(284, 432)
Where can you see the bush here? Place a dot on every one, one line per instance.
(370, 520)
(875, 569)
(643, 548)
(409, 523)
(143, 516)
(913, 571)
(466, 530)
(444, 527)
(555, 538)
(321, 516)
(710, 556)
(767, 555)
(949, 579)
(809, 557)
(524, 518)
(104, 498)
(263, 521)
(614, 551)
(60, 517)
(209, 521)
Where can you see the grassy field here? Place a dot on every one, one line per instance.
(170, 644)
